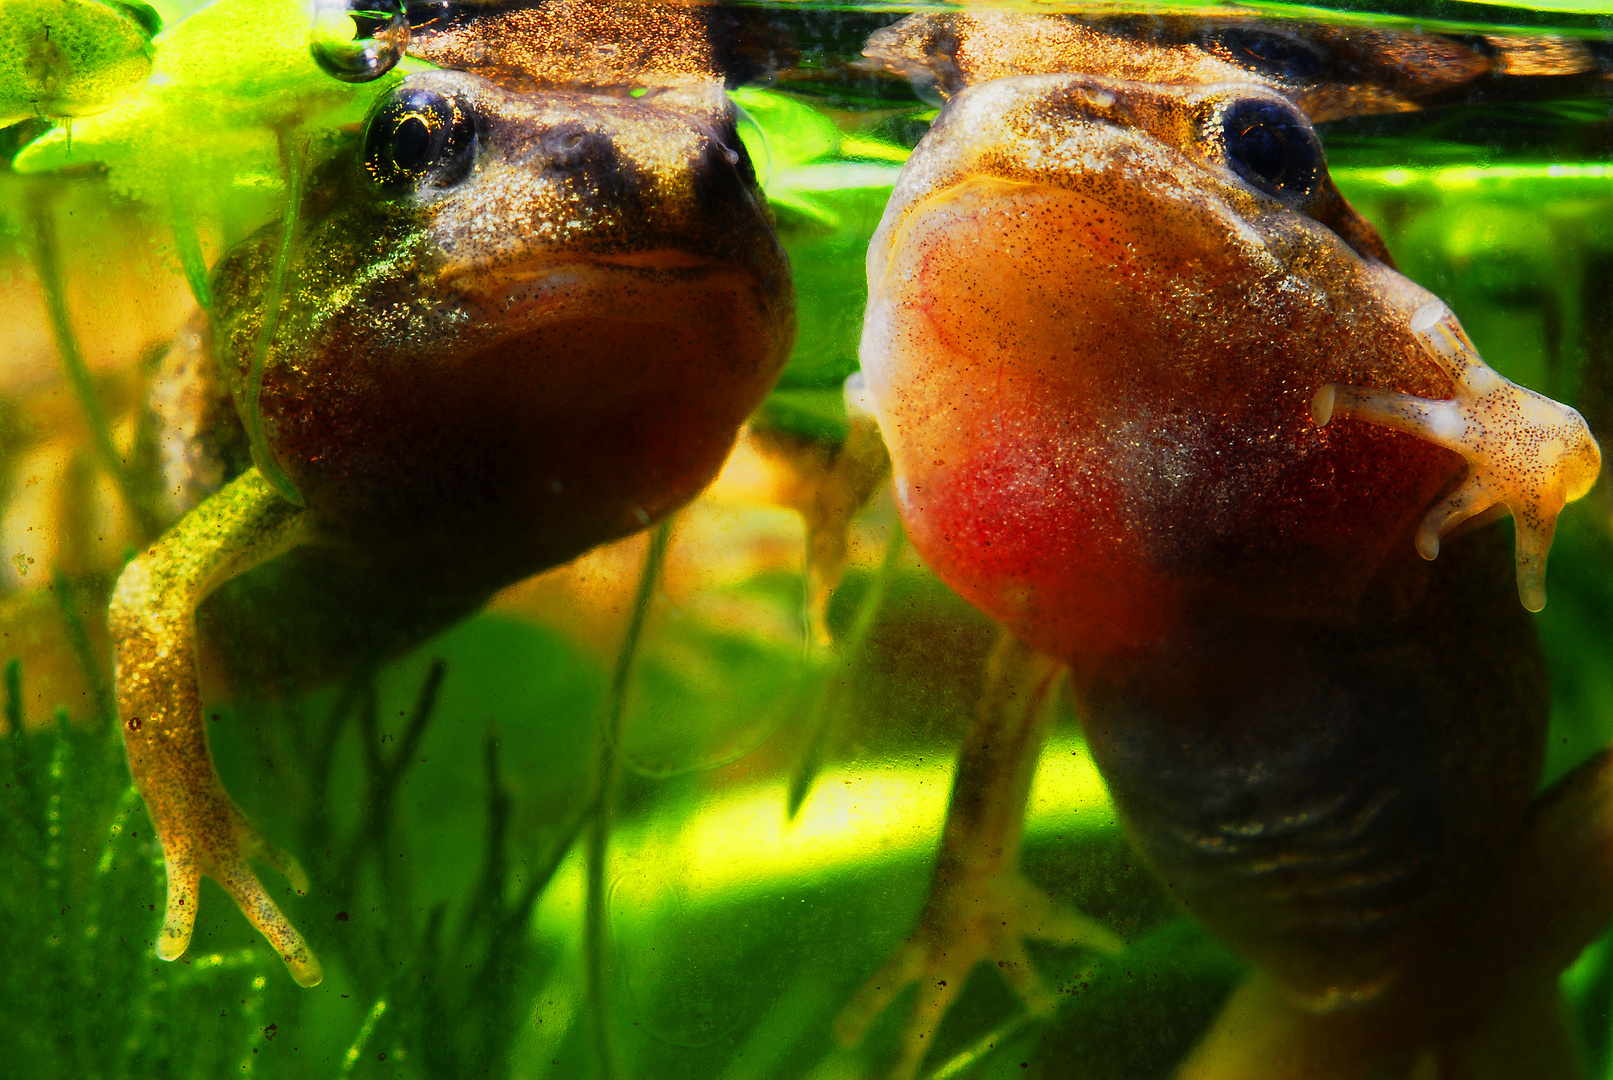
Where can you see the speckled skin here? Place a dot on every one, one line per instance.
(1317, 793)
(1045, 247)
(499, 326)
(473, 376)
(1092, 349)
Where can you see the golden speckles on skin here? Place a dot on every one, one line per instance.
(958, 50)
(519, 194)
(597, 43)
(1136, 142)
(1524, 452)
(1537, 54)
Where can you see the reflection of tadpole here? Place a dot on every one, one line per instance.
(832, 483)
(829, 484)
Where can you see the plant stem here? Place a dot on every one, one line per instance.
(291, 161)
(188, 244)
(596, 962)
(106, 706)
(823, 721)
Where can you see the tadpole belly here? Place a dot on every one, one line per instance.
(1315, 793)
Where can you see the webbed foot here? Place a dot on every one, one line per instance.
(1524, 451)
(980, 918)
(210, 835)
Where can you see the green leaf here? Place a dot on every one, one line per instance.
(230, 82)
(70, 58)
(828, 190)
(796, 133)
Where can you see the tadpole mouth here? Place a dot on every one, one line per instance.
(625, 285)
(665, 259)
(662, 287)
(615, 327)
(476, 276)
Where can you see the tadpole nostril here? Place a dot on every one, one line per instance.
(583, 157)
(572, 145)
(722, 172)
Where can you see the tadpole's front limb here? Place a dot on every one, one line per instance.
(1524, 451)
(980, 907)
(153, 623)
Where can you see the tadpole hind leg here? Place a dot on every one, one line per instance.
(153, 623)
(981, 908)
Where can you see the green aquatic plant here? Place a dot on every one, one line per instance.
(250, 85)
(443, 983)
(251, 405)
(827, 186)
(453, 889)
(603, 806)
(72, 58)
(85, 996)
(446, 980)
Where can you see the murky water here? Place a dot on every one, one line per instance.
(662, 810)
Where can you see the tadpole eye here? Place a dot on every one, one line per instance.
(1273, 147)
(418, 134)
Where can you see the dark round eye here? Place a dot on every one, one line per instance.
(417, 134)
(1267, 51)
(1272, 147)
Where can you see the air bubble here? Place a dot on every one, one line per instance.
(358, 40)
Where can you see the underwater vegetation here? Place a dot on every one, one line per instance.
(77, 826)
